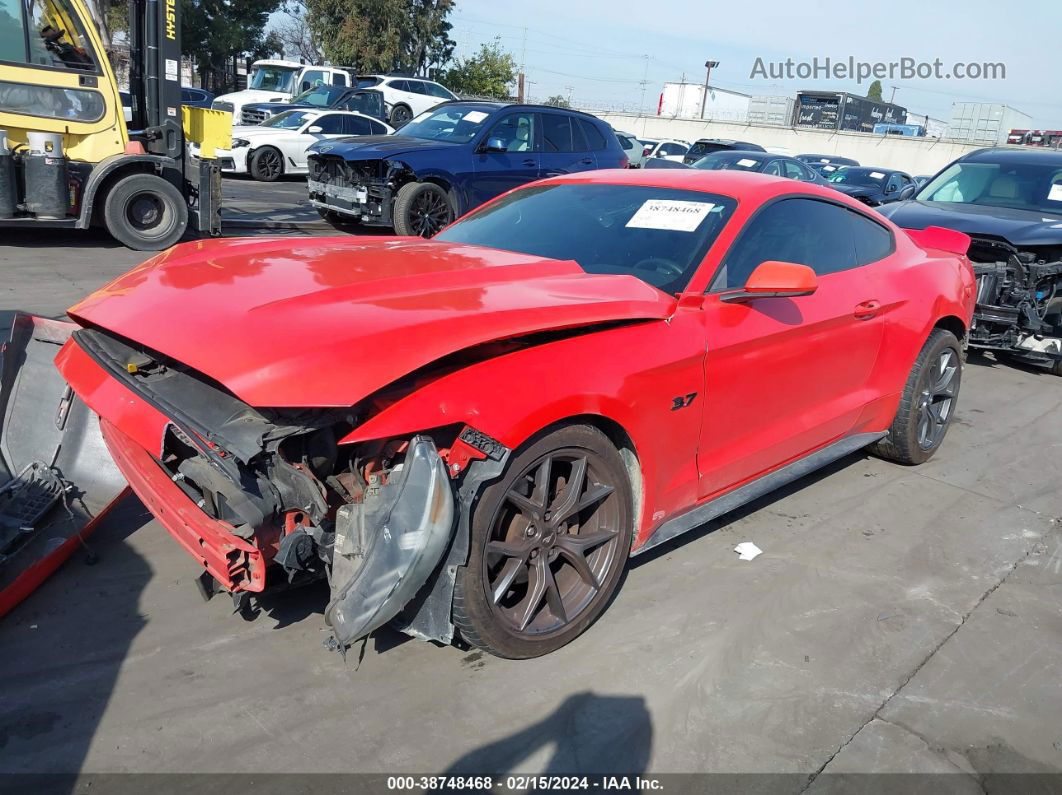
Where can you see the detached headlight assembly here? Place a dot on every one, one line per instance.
(240, 142)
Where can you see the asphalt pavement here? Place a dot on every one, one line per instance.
(903, 620)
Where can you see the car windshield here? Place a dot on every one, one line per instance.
(272, 78)
(658, 235)
(739, 161)
(319, 96)
(867, 177)
(454, 123)
(288, 120)
(1021, 186)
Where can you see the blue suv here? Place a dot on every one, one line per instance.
(451, 159)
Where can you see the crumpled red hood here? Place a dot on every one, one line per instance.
(327, 321)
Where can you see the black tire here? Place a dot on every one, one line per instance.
(421, 209)
(533, 565)
(145, 212)
(400, 114)
(266, 164)
(927, 404)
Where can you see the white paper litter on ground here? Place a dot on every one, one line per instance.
(747, 550)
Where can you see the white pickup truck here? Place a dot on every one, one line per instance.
(279, 81)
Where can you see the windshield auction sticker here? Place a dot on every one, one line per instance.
(676, 216)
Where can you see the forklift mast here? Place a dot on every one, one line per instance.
(155, 76)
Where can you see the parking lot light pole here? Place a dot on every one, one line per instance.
(709, 65)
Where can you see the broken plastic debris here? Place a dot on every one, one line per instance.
(747, 550)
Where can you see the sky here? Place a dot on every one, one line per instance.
(599, 52)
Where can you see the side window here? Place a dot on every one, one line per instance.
(672, 149)
(556, 133)
(516, 132)
(399, 85)
(438, 91)
(376, 128)
(311, 79)
(794, 170)
(873, 241)
(339, 79)
(806, 231)
(625, 142)
(330, 124)
(50, 102)
(593, 135)
(44, 33)
(774, 168)
(356, 125)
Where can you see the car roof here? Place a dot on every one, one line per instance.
(999, 154)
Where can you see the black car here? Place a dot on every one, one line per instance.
(705, 146)
(826, 164)
(367, 101)
(760, 162)
(451, 159)
(196, 97)
(872, 186)
(1009, 201)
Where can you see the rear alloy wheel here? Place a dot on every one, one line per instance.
(266, 164)
(422, 209)
(927, 404)
(400, 114)
(145, 212)
(549, 543)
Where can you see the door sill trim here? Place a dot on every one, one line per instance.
(765, 484)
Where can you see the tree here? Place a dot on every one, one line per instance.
(217, 32)
(383, 35)
(488, 73)
(874, 92)
(295, 34)
(558, 101)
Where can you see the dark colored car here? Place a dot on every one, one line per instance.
(359, 100)
(872, 186)
(760, 162)
(196, 97)
(826, 164)
(1010, 202)
(705, 146)
(453, 158)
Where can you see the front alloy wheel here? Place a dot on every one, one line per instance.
(549, 544)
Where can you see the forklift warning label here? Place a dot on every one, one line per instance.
(171, 69)
(677, 216)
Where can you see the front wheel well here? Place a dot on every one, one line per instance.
(954, 325)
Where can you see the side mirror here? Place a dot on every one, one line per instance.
(494, 145)
(313, 130)
(908, 191)
(773, 279)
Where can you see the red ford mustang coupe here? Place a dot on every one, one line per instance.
(469, 436)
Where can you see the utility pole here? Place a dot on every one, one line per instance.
(892, 96)
(569, 89)
(709, 65)
(523, 50)
(520, 88)
(645, 82)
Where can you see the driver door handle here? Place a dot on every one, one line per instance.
(529, 162)
(867, 310)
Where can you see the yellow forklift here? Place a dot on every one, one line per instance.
(68, 158)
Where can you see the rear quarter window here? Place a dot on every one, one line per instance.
(595, 140)
(873, 241)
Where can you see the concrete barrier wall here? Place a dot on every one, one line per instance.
(913, 155)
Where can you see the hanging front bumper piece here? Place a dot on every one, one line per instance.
(388, 545)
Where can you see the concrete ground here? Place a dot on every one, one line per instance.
(904, 620)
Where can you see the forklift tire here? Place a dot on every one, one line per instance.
(145, 212)
(266, 164)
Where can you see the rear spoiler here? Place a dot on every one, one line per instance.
(941, 239)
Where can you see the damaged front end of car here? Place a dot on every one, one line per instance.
(1019, 300)
(360, 190)
(267, 499)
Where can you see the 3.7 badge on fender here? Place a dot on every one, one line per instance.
(682, 401)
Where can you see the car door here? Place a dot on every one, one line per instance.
(564, 146)
(512, 161)
(785, 376)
